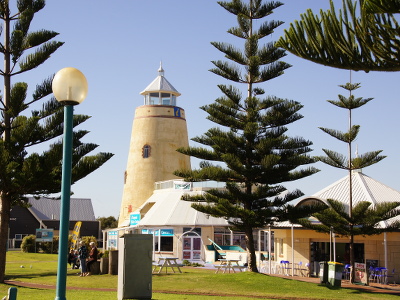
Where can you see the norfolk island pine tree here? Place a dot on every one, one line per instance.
(363, 36)
(22, 172)
(253, 156)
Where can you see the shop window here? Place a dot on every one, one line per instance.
(223, 236)
(239, 239)
(167, 243)
(263, 241)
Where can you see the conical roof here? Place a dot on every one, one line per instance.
(160, 84)
(364, 189)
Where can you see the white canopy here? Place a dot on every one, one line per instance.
(167, 209)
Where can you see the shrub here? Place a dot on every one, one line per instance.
(28, 243)
(50, 247)
(106, 254)
(186, 262)
(46, 247)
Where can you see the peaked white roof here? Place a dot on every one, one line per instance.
(364, 189)
(160, 84)
(169, 210)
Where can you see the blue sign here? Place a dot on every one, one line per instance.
(177, 112)
(156, 232)
(134, 219)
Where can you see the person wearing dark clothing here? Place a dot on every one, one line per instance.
(82, 257)
(73, 259)
(92, 258)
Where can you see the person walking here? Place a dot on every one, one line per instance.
(82, 251)
(92, 258)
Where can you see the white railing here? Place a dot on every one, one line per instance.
(179, 184)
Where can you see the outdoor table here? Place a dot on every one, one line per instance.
(165, 263)
(229, 264)
(301, 270)
(285, 267)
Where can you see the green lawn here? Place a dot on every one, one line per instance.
(191, 284)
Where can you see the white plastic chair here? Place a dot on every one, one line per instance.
(391, 275)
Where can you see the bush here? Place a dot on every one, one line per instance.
(187, 263)
(50, 247)
(106, 253)
(45, 247)
(87, 240)
(28, 244)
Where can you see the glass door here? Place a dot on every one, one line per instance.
(192, 248)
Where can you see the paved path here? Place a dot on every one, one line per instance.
(373, 287)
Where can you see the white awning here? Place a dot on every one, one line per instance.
(169, 210)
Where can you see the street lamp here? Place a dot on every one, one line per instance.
(69, 88)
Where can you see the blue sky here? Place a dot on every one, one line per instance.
(118, 45)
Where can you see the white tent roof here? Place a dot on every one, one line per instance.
(169, 210)
(364, 189)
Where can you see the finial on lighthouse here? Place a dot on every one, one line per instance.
(160, 70)
(158, 89)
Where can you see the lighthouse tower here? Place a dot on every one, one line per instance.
(159, 128)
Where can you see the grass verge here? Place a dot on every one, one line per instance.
(193, 283)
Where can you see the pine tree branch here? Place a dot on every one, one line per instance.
(368, 42)
(34, 60)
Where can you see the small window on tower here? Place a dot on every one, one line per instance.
(146, 151)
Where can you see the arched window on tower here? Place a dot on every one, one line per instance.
(146, 151)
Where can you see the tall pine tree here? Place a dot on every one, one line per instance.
(253, 155)
(23, 173)
(362, 218)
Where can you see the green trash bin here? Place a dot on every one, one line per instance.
(323, 272)
(335, 271)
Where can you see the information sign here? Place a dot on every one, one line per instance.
(44, 235)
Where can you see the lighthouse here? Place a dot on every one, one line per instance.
(159, 129)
